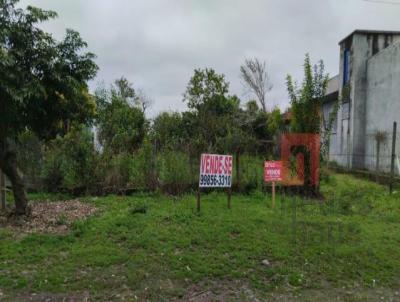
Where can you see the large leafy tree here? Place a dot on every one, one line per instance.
(211, 107)
(121, 124)
(204, 86)
(43, 84)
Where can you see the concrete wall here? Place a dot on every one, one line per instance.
(353, 146)
(383, 103)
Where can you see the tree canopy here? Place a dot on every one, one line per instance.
(43, 82)
(306, 101)
(121, 125)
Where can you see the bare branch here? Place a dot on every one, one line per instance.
(143, 100)
(255, 76)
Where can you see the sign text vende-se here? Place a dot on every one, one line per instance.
(272, 171)
(215, 171)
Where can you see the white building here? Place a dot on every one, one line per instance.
(370, 69)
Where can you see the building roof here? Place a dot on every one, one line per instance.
(333, 85)
(366, 32)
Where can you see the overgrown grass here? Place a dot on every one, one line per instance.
(154, 247)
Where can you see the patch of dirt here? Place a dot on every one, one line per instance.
(237, 290)
(223, 290)
(48, 297)
(49, 217)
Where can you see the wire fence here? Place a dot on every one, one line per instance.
(178, 171)
(373, 151)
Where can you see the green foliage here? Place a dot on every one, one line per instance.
(30, 157)
(121, 125)
(174, 171)
(143, 168)
(251, 173)
(204, 86)
(128, 171)
(169, 130)
(275, 122)
(312, 246)
(140, 207)
(70, 162)
(43, 82)
(116, 172)
(306, 101)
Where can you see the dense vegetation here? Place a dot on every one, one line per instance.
(158, 248)
(127, 152)
(62, 138)
(43, 84)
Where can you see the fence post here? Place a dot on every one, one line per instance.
(2, 190)
(393, 157)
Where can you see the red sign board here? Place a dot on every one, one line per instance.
(272, 171)
(215, 171)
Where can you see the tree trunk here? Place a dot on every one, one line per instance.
(8, 163)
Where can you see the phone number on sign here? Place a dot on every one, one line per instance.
(215, 180)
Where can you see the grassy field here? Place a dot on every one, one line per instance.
(152, 247)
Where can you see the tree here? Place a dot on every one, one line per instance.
(169, 131)
(206, 94)
(143, 101)
(255, 76)
(43, 84)
(306, 102)
(121, 125)
(204, 86)
(124, 90)
(70, 161)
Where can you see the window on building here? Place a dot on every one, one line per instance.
(346, 67)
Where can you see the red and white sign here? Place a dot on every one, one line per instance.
(272, 171)
(215, 171)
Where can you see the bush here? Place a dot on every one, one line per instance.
(129, 172)
(251, 173)
(116, 172)
(174, 172)
(70, 161)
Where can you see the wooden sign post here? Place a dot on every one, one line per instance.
(273, 173)
(215, 172)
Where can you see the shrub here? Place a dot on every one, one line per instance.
(129, 172)
(251, 173)
(174, 172)
(116, 171)
(70, 161)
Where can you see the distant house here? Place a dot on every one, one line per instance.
(368, 85)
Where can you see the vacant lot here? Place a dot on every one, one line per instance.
(151, 247)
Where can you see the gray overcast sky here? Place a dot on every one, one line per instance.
(156, 44)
